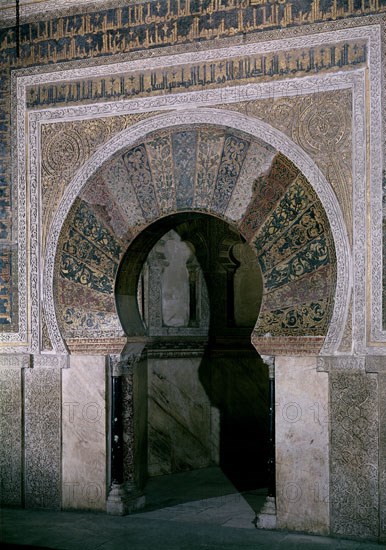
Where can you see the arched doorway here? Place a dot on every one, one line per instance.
(205, 168)
(204, 389)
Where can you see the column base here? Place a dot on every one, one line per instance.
(267, 517)
(121, 502)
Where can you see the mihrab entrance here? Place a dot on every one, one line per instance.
(203, 387)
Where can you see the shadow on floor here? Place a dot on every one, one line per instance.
(201, 496)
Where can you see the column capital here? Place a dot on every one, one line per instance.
(269, 360)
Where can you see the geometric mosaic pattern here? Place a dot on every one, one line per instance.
(207, 169)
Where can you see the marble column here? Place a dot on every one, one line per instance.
(124, 496)
(116, 431)
(267, 517)
(271, 432)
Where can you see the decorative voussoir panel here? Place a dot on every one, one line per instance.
(229, 172)
(296, 254)
(88, 258)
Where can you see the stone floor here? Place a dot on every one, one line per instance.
(191, 511)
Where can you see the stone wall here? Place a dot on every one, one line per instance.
(179, 417)
(354, 477)
(302, 445)
(84, 434)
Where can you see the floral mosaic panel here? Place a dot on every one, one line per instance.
(297, 259)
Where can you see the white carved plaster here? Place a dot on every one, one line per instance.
(359, 220)
(376, 166)
(17, 361)
(237, 121)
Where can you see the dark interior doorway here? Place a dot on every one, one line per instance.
(192, 286)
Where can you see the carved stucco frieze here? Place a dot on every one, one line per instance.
(11, 430)
(42, 390)
(354, 498)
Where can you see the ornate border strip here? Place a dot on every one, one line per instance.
(27, 79)
(377, 333)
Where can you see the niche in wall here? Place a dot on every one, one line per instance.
(198, 295)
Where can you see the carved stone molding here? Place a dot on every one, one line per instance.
(51, 361)
(376, 364)
(95, 346)
(42, 390)
(17, 361)
(354, 484)
(11, 430)
(358, 363)
(341, 363)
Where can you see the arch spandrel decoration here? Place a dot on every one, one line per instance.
(311, 281)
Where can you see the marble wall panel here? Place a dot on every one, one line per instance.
(10, 436)
(42, 433)
(302, 445)
(84, 434)
(179, 417)
(354, 453)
